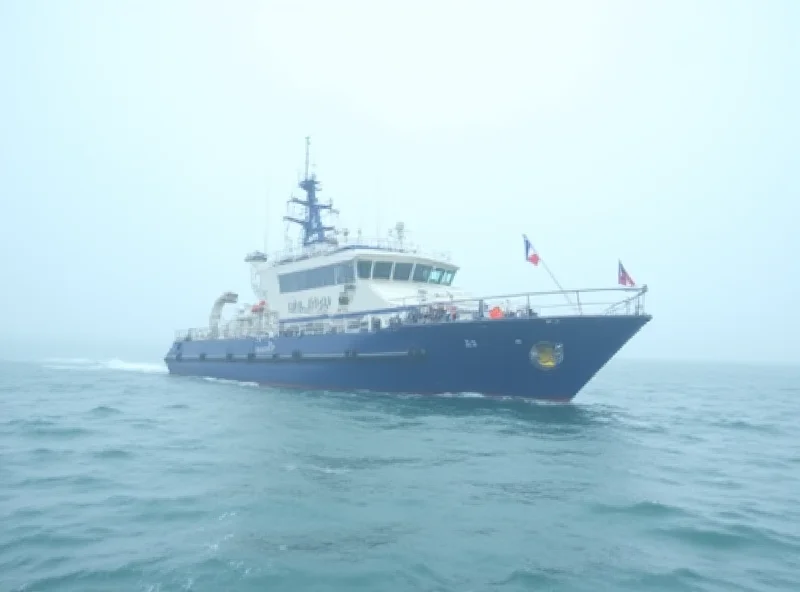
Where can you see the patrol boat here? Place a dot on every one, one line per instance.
(381, 315)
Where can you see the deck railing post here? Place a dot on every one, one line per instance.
(633, 303)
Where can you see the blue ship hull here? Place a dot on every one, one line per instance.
(535, 358)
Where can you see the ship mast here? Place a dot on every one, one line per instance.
(314, 231)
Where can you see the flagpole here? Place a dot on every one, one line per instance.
(538, 259)
(555, 281)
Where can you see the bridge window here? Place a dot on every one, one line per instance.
(382, 270)
(421, 273)
(319, 277)
(436, 276)
(447, 277)
(364, 269)
(344, 273)
(402, 271)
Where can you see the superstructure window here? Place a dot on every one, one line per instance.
(382, 270)
(436, 276)
(345, 273)
(364, 269)
(421, 273)
(402, 271)
(447, 277)
(319, 277)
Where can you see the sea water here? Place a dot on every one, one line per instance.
(660, 476)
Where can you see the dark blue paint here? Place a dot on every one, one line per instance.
(497, 365)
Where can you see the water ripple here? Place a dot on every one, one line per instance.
(118, 477)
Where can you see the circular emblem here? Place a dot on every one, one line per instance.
(547, 355)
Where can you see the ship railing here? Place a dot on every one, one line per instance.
(584, 302)
(299, 252)
(224, 332)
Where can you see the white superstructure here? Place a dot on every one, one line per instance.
(329, 274)
(352, 278)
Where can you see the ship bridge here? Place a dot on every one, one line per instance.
(327, 267)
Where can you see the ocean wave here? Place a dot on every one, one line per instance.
(228, 381)
(115, 478)
(86, 364)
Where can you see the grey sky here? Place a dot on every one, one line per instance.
(140, 143)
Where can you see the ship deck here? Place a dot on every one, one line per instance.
(547, 305)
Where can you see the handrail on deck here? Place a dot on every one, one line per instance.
(298, 251)
(637, 291)
(439, 310)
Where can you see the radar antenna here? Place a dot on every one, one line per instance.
(314, 231)
(400, 232)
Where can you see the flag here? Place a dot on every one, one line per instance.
(623, 278)
(530, 253)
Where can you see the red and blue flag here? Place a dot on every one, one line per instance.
(531, 256)
(623, 277)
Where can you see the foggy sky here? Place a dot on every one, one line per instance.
(144, 146)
